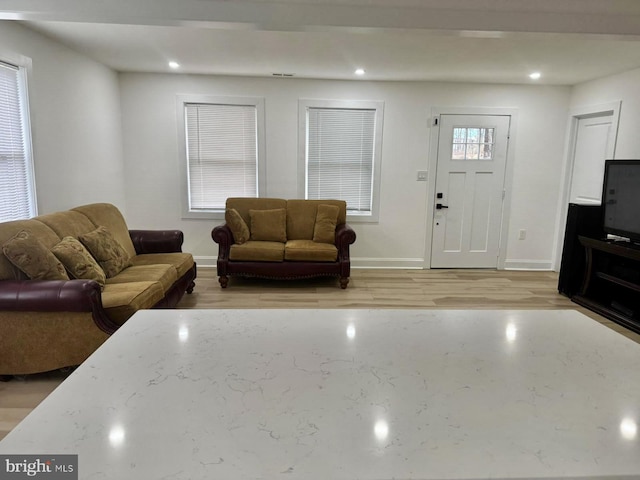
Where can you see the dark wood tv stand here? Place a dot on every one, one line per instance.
(611, 285)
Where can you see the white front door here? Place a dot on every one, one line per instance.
(470, 176)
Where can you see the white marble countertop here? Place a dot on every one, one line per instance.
(348, 394)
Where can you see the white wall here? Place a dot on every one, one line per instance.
(623, 87)
(75, 120)
(152, 163)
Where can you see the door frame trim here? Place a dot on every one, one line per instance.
(508, 175)
(575, 115)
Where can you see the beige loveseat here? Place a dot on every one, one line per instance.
(60, 300)
(284, 239)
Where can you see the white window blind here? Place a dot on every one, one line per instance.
(222, 153)
(340, 156)
(17, 196)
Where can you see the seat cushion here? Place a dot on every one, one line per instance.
(310, 251)
(182, 262)
(254, 251)
(164, 274)
(122, 300)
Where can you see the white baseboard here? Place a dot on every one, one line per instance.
(409, 263)
(542, 265)
(206, 262)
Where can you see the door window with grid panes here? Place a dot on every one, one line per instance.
(472, 143)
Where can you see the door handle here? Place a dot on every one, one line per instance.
(440, 206)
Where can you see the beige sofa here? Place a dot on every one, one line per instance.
(57, 316)
(284, 239)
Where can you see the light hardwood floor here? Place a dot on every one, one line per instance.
(431, 289)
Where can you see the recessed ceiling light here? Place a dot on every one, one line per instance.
(535, 75)
(174, 65)
(359, 71)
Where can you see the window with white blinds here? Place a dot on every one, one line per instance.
(342, 153)
(222, 151)
(17, 193)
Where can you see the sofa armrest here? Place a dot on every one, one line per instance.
(224, 238)
(55, 296)
(345, 236)
(156, 241)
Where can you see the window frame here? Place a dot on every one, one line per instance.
(181, 102)
(24, 66)
(303, 106)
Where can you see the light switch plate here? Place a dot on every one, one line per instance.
(422, 175)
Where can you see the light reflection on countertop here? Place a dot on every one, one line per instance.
(183, 333)
(629, 429)
(511, 333)
(381, 430)
(351, 331)
(116, 436)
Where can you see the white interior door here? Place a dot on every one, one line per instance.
(592, 146)
(470, 176)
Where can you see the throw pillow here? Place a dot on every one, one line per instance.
(324, 231)
(78, 261)
(238, 226)
(28, 253)
(269, 225)
(111, 256)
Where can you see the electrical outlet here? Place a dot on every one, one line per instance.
(422, 176)
(522, 234)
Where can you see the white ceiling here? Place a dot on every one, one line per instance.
(569, 41)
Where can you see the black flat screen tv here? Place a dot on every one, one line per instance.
(621, 198)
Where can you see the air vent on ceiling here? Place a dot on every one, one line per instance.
(283, 74)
